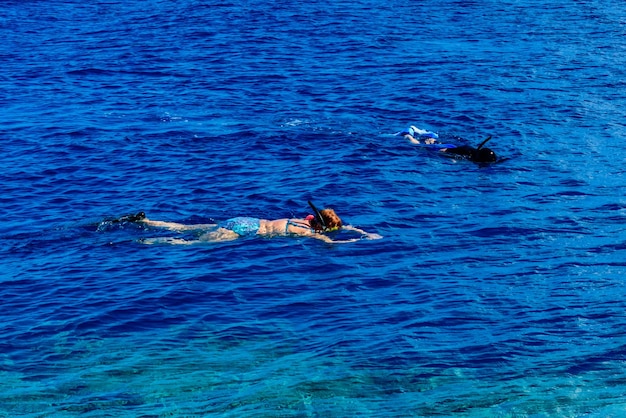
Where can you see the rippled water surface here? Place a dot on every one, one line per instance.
(496, 291)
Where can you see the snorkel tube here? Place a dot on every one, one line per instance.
(318, 216)
(483, 143)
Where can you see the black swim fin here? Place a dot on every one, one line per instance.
(139, 216)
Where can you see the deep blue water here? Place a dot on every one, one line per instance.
(496, 291)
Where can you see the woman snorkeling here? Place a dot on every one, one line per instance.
(480, 154)
(313, 226)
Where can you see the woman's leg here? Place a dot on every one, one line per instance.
(220, 235)
(174, 226)
(167, 240)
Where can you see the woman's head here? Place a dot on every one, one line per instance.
(324, 220)
(332, 222)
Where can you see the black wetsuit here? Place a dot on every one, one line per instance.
(482, 155)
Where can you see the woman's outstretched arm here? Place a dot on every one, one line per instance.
(367, 235)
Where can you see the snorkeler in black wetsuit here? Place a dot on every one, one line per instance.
(480, 154)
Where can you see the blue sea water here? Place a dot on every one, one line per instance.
(497, 291)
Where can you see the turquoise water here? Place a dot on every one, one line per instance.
(496, 291)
